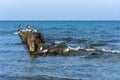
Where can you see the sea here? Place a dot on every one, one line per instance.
(17, 64)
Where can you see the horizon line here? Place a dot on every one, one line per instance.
(60, 20)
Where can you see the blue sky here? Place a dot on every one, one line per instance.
(59, 9)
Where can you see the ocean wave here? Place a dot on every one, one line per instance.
(40, 77)
(117, 28)
(16, 33)
(70, 39)
(90, 48)
(106, 41)
(6, 32)
(75, 48)
(12, 51)
(13, 43)
(93, 49)
(67, 40)
(55, 28)
(110, 51)
(58, 42)
(97, 44)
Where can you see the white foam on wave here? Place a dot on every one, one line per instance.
(16, 33)
(76, 48)
(72, 48)
(59, 42)
(110, 51)
(104, 50)
(90, 49)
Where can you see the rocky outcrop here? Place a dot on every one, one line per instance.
(36, 45)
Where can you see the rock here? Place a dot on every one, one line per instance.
(32, 39)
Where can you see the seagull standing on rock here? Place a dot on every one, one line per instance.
(41, 48)
(66, 50)
(43, 51)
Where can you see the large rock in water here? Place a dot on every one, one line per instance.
(36, 45)
(32, 39)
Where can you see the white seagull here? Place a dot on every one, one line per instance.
(67, 49)
(44, 51)
(41, 48)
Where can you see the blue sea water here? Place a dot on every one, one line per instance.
(16, 63)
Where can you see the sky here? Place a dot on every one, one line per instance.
(59, 9)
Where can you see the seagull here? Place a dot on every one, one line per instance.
(67, 49)
(41, 48)
(44, 51)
